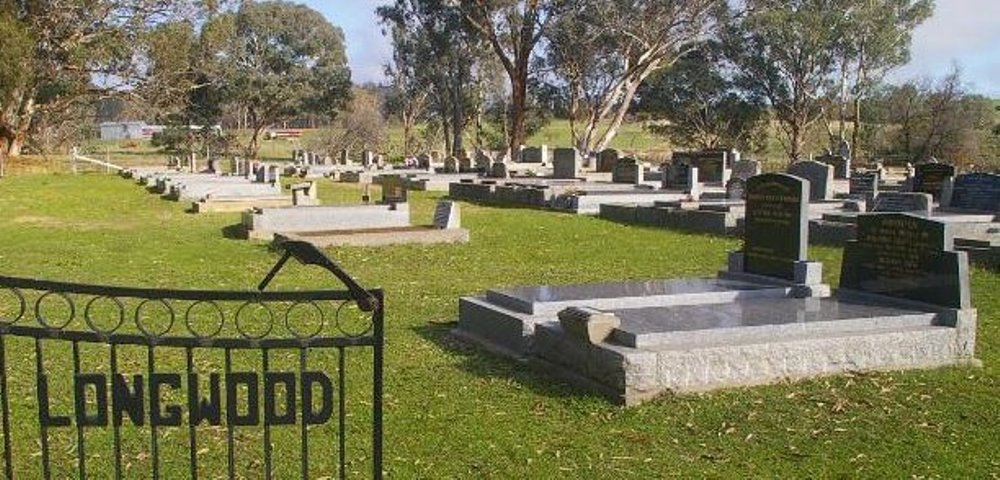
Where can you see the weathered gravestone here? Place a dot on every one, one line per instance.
(345, 157)
(499, 170)
(607, 159)
(447, 216)
(745, 169)
(464, 164)
(820, 178)
(483, 161)
(841, 165)
(930, 178)
(905, 256)
(368, 158)
(864, 185)
(903, 202)
(736, 189)
(627, 170)
(424, 161)
(566, 164)
(393, 189)
(976, 191)
(451, 165)
(776, 232)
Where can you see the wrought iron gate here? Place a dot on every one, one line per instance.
(145, 359)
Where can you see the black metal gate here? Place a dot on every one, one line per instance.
(119, 376)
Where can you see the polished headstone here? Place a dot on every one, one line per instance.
(711, 164)
(976, 191)
(897, 202)
(864, 184)
(776, 229)
(627, 170)
(393, 189)
(566, 163)
(906, 256)
(930, 177)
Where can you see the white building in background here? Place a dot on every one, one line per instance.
(128, 130)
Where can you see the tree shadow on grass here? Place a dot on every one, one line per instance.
(490, 365)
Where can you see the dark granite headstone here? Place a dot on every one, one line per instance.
(864, 184)
(976, 191)
(930, 177)
(819, 175)
(533, 155)
(736, 189)
(905, 256)
(607, 159)
(393, 189)
(711, 164)
(899, 202)
(776, 234)
(627, 170)
(676, 175)
(841, 165)
(566, 163)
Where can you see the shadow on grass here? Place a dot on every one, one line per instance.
(234, 232)
(490, 365)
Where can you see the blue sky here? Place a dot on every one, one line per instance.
(966, 32)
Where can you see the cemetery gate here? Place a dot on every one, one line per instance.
(129, 382)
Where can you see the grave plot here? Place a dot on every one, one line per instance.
(766, 319)
(209, 192)
(385, 223)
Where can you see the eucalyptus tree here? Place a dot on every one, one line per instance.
(603, 51)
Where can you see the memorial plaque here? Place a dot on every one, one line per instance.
(736, 189)
(976, 191)
(905, 256)
(896, 202)
(393, 189)
(864, 184)
(820, 177)
(776, 233)
(930, 177)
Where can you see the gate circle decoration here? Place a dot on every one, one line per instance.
(94, 325)
(346, 308)
(22, 307)
(190, 325)
(142, 326)
(298, 334)
(45, 321)
(243, 329)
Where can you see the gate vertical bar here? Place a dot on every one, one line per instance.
(8, 467)
(267, 427)
(42, 429)
(231, 449)
(378, 354)
(154, 444)
(342, 420)
(192, 434)
(81, 452)
(116, 428)
(304, 440)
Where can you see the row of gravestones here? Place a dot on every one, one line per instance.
(895, 254)
(931, 181)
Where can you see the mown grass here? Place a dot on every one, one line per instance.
(456, 412)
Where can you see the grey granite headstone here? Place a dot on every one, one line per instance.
(607, 159)
(930, 177)
(976, 191)
(393, 189)
(736, 189)
(905, 256)
(902, 202)
(745, 169)
(776, 232)
(451, 165)
(820, 178)
(535, 155)
(841, 165)
(864, 185)
(566, 163)
(447, 216)
(627, 170)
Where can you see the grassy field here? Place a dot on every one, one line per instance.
(455, 412)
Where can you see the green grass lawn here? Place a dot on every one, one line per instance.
(455, 412)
